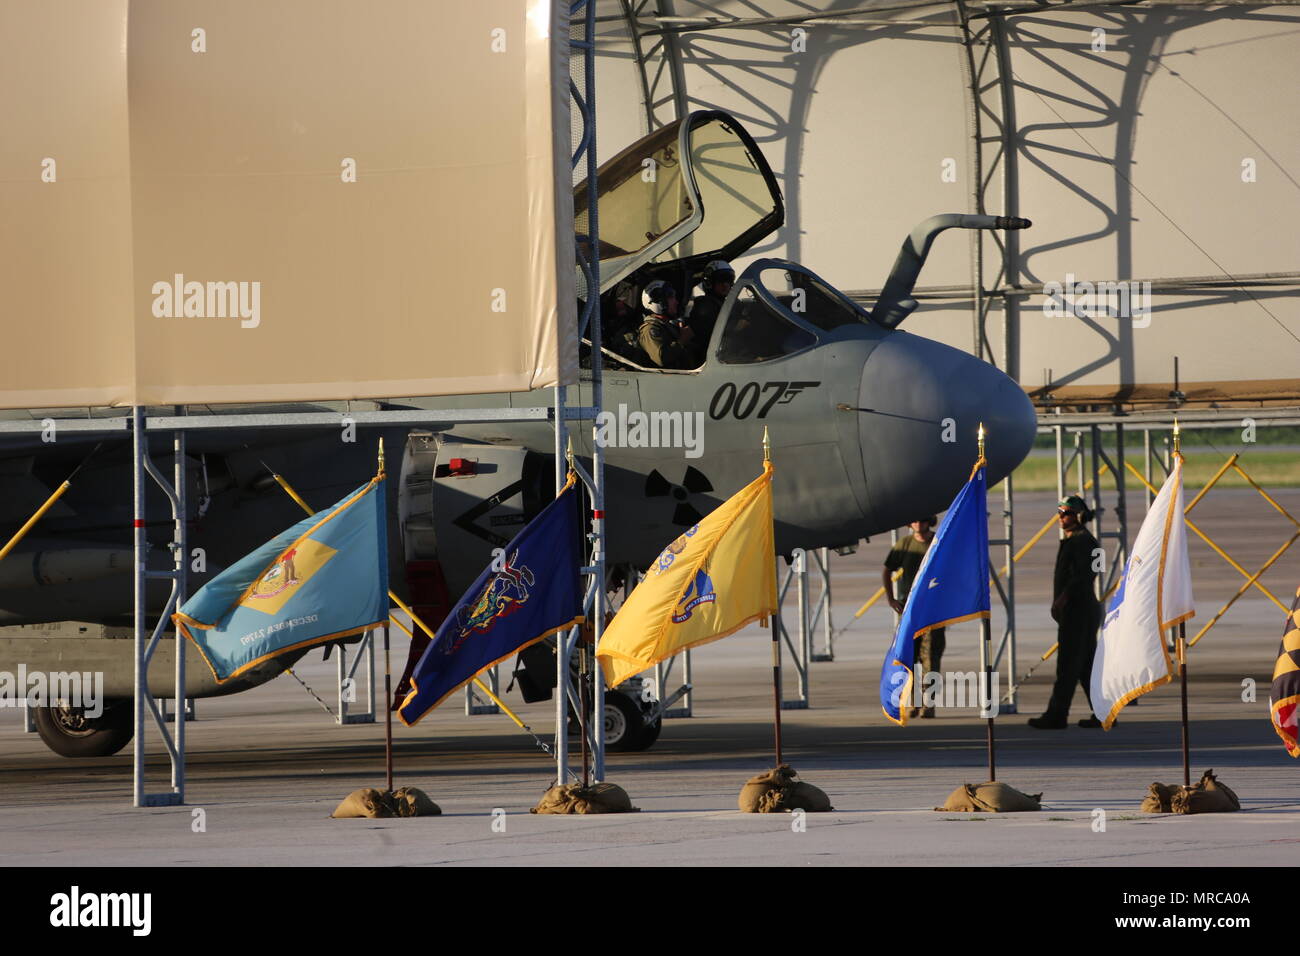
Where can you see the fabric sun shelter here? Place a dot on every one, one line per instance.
(231, 201)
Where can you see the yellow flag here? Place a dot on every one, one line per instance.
(713, 580)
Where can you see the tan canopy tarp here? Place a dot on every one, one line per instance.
(179, 226)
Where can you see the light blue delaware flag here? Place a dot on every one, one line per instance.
(951, 585)
(322, 579)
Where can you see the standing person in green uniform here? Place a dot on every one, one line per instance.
(1077, 613)
(907, 555)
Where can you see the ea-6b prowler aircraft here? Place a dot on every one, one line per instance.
(870, 427)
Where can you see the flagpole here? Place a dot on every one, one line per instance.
(986, 648)
(1182, 652)
(388, 711)
(1182, 680)
(776, 639)
(583, 704)
(580, 645)
(388, 675)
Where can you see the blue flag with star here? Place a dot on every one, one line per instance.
(951, 585)
(532, 591)
(322, 579)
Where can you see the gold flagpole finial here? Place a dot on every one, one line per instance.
(980, 439)
(1177, 437)
(568, 452)
(767, 445)
(381, 456)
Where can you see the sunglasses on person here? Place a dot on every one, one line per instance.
(1065, 511)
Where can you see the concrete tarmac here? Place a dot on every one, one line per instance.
(267, 767)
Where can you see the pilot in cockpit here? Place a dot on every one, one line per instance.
(703, 311)
(666, 340)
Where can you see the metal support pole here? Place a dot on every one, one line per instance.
(797, 644)
(1094, 435)
(1078, 457)
(987, 704)
(1146, 451)
(594, 333)
(370, 676)
(340, 666)
(139, 448)
(563, 639)
(1121, 502)
(805, 630)
(672, 55)
(1060, 461)
(347, 682)
(1009, 550)
(688, 680)
(180, 543)
(473, 707)
(145, 646)
(822, 615)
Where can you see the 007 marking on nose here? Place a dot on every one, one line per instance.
(742, 401)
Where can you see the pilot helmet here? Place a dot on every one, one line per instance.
(717, 269)
(655, 296)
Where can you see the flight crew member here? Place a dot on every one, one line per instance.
(703, 311)
(1077, 613)
(663, 336)
(907, 555)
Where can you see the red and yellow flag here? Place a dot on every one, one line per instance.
(1284, 700)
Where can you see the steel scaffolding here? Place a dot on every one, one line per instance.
(656, 28)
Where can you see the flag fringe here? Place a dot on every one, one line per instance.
(181, 626)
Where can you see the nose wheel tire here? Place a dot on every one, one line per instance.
(625, 727)
(70, 733)
(649, 734)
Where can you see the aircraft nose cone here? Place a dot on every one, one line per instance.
(920, 405)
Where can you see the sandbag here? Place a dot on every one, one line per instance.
(804, 796)
(776, 791)
(990, 797)
(377, 804)
(601, 797)
(1205, 796)
(413, 802)
(1158, 797)
(762, 793)
(367, 802)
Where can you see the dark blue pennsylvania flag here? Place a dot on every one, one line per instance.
(536, 591)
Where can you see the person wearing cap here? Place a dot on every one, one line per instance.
(906, 555)
(663, 337)
(702, 312)
(1077, 613)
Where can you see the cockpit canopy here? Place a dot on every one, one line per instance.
(695, 190)
(778, 308)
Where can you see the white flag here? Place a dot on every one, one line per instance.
(1154, 595)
